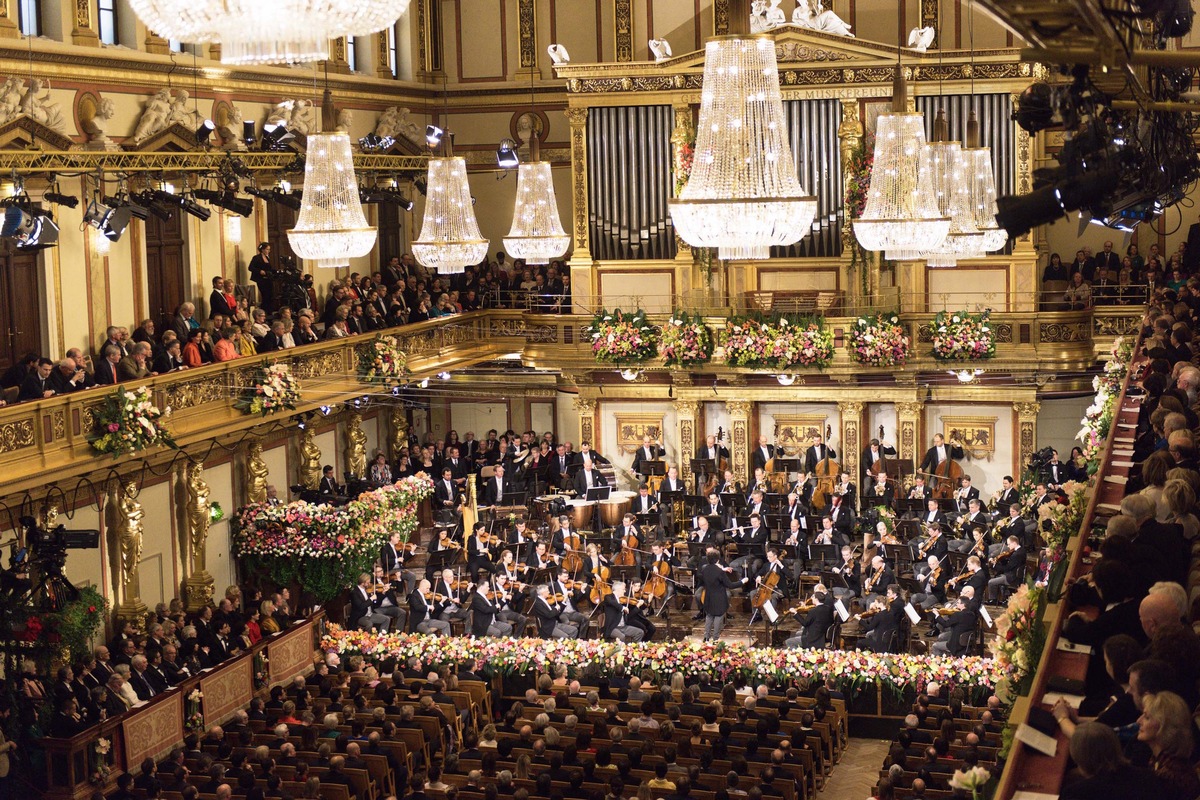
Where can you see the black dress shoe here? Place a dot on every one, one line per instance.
(699, 616)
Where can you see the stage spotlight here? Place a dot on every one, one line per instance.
(28, 228)
(68, 200)
(506, 155)
(183, 201)
(1035, 107)
(205, 132)
(276, 137)
(248, 134)
(558, 54)
(110, 218)
(433, 136)
(285, 199)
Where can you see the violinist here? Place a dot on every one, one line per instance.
(973, 576)
(508, 599)
(616, 607)
(362, 607)
(520, 533)
(385, 598)
(485, 610)
(1008, 565)
(951, 628)
(878, 576)
(635, 613)
(421, 602)
(454, 606)
(882, 625)
(572, 599)
(481, 552)
(549, 617)
(850, 571)
(394, 553)
(932, 578)
(539, 558)
(814, 623)
(934, 545)
(817, 452)
(509, 569)
(752, 543)
(939, 453)
(964, 494)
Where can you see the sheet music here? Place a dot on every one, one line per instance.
(1047, 745)
(987, 618)
(769, 612)
(912, 613)
(841, 610)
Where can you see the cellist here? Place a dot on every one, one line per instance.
(938, 455)
(773, 566)
(875, 453)
(631, 539)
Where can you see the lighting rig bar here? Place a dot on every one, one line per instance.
(67, 161)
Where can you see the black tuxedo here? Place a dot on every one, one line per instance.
(1006, 499)
(958, 623)
(668, 486)
(360, 604)
(581, 486)
(815, 624)
(716, 583)
(882, 625)
(645, 454)
(964, 500)
(271, 342)
(493, 490)
(761, 455)
(483, 614)
(329, 486)
(442, 493)
(930, 461)
(816, 454)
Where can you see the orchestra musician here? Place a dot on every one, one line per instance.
(974, 518)
(493, 490)
(817, 452)
(420, 611)
(880, 493)
(932, 579)
(454, 606)
(1011, 525)
(729, 484)
(952, 627)
(846, 491)
(586, 453)
(797, 537)
(763, 453)
(392, 556)
(485, 612)
(716, 583)
(702, 535)
(920, 490)
(877, 577)
(829, 534)
(759, 483)
(659, 554)
(509, 569)
(362, 607)
(974, 577)
(714, 508)
(635, 613)
(796, 510)
(616, 623)
(549, 617)
(938, 453)
(757, 504)
(814, 623)
(712, 451)
(882, 625)
(651, 450)
(481, 553)
(629, 534)
(588, 478)
(520, 534)
(752, 543)
(1008, 566)
(572, 599)
(540, 558)
(645, 502)
(849, 570)
(964, 494)
(934, 544)
(875, 451)
(773, 565)
(446, 495)
(507, 594)
(842, 517)
(1008, 496)
(383, 595)
(559, 538)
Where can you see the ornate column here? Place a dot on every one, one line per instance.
(85, 32)
(582, 274)
(356, 446)
(199, 586)
(256, 474)
(8, 21)
(739, 438)
(908, 419)
(1026, 418)
(310, 459)
(526, 38)
(929, 19)
(686, 412)
(623, 19)
(383, 64)
(124, 520)
(586, 407)
(337, 55)
(681, 135)
(851, 441)
(1024, 282)
(850, 137)
(720, 17)
(399, 425)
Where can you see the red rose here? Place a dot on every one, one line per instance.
(91, 609)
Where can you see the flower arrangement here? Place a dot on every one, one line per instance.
(322, 547)
(972, 780)
(130, 422)
(1021, 636)
(193, 715)
(621, 338)
(685, 341)
(79, 620)
(850, 669)
(858, 178)
(781, 343)
(273, 389)
(101, 761)
(878, 340)
(685, 154)
(1098, 418)
(261, 675)
(382, 363)
(963, 335)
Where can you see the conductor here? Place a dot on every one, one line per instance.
(715, 584)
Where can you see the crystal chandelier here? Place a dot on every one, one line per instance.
(944, 161)
(743, 195)
(981, 182)
(450, 237)
(331, 228)
(901, 216)
(537, 235)
(255, 32)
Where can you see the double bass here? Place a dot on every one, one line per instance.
(947, 474)
(826, 474)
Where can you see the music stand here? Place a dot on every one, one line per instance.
(514, 498)
(598, 493)
(441, 559)
(824, 553)
(731, 500)
(905, 505)
(656, 467)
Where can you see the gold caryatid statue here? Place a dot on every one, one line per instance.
(199, 517)
(399, 441)
(356, 446)
(125, 517)
(256, 474)
(310, 459)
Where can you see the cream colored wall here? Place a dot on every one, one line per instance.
(881, 414)
(957, 288)
(607, 432)
(649, 290)
(1058, 421)
(479, 417)
(985, 473)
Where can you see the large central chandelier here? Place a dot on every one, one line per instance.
(981, 181)
(257, 32)
(944, 161)
(331, 228)
(743, 195)
(901, 216)
(450, 237)
(537, 234)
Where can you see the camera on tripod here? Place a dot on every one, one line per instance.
(1039, 460)
(47, 550)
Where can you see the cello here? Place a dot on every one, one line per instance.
(626, 557)
(826, 473)
(765, 590)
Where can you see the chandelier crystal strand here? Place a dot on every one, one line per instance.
(537, 234)
(945, 163)
(450, 237)
(982, 183)
(743, 195)
(331, 228)
(254, 32)
(901, 215)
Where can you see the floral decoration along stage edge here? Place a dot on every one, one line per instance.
(961, 335)
(621, 338)
(1097, 420)
(382, 363)
(685, 341)
(878, 340)
(274, 388)
(130, 422)
(849, 669)
(780, 343)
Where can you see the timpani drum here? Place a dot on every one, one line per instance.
(614, 509)
(542, 506)
(580, 512)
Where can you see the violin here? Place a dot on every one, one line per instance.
(965, 576)
(1008, 551)
(433, 597)
(447, 543)
(923, 550)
